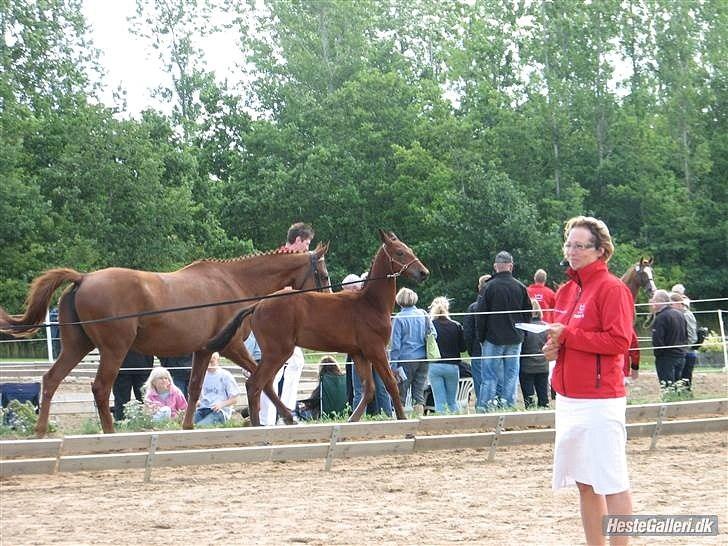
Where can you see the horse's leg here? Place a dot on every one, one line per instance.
(74, 346)
(200, 360)
(378, 358)
(364, 371)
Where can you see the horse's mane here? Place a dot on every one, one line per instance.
(252, 255)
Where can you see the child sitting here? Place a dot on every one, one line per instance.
(162, 396)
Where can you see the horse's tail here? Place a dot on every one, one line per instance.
(36, 303)
(220, 341)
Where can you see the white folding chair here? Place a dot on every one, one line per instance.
(465, 387)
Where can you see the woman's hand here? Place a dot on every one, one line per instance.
(551, 349)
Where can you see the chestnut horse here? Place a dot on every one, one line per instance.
(640, 276)
(356, 323)
(118, 292)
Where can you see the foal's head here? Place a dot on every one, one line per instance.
(401, 257)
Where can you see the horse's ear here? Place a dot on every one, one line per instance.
(322, 249)
(382, 235)
(652, 259)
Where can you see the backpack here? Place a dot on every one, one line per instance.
(702, 332)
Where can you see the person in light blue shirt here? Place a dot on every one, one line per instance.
(408, 349)
(251, 344)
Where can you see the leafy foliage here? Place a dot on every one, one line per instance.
(465, 127)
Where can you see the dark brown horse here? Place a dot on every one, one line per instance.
(639, 276)
(119, 292)
(356, 323)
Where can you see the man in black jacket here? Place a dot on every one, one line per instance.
(669, 339)
(472, 343)
(134, 371)
(506, 302)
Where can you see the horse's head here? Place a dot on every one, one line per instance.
(401, 257)
(315, 274)
(318, 265)
(645, 278)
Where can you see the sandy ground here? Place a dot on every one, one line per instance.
(433, 498)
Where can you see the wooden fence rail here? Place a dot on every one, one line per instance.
(328, 441)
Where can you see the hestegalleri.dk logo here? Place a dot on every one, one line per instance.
(655, 526)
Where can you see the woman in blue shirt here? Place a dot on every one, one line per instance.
(408, 351)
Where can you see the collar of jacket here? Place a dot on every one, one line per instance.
(587, 272)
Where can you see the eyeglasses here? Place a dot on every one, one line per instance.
(577, 246)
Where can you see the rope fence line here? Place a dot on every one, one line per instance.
(48, 339)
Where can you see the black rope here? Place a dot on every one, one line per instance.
(197, 306)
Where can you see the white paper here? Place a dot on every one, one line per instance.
(530, 327)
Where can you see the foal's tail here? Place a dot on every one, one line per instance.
(220, 341)
(36, 303)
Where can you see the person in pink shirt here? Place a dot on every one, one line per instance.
(542, 294)
(161, 395)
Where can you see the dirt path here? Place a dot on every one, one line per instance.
(432, 498)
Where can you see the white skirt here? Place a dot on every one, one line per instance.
(591, 440)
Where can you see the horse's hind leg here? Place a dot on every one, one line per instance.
(200, 360)
(74, 346)
(262, 380)
(72, 352)
(364, 371)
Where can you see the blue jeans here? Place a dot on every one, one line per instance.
(501, 369)
(207, 417)
(476, 368)
(444, 380)
(381, 402)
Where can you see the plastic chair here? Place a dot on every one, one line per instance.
(462, 397)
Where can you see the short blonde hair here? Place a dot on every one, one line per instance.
(440, 307)
(599, 232)
(406, 297)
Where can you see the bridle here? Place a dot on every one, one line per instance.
(313, 270)
(392, 261)
(649, 285)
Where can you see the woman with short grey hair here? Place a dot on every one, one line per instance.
(408, 352)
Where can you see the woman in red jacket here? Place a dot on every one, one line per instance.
(591, 333)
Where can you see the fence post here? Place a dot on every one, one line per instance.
(332, 446)
(496, 437)
(658, 426)
(722, 336)
(49, 337)
(150, 457)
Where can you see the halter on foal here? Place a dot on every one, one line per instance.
(116, 292)
(355, 323)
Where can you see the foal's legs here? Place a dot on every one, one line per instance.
(200, 360)
(262, 379)
(378, 358)
(74, 346)
(237, 352)
(364, 371)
